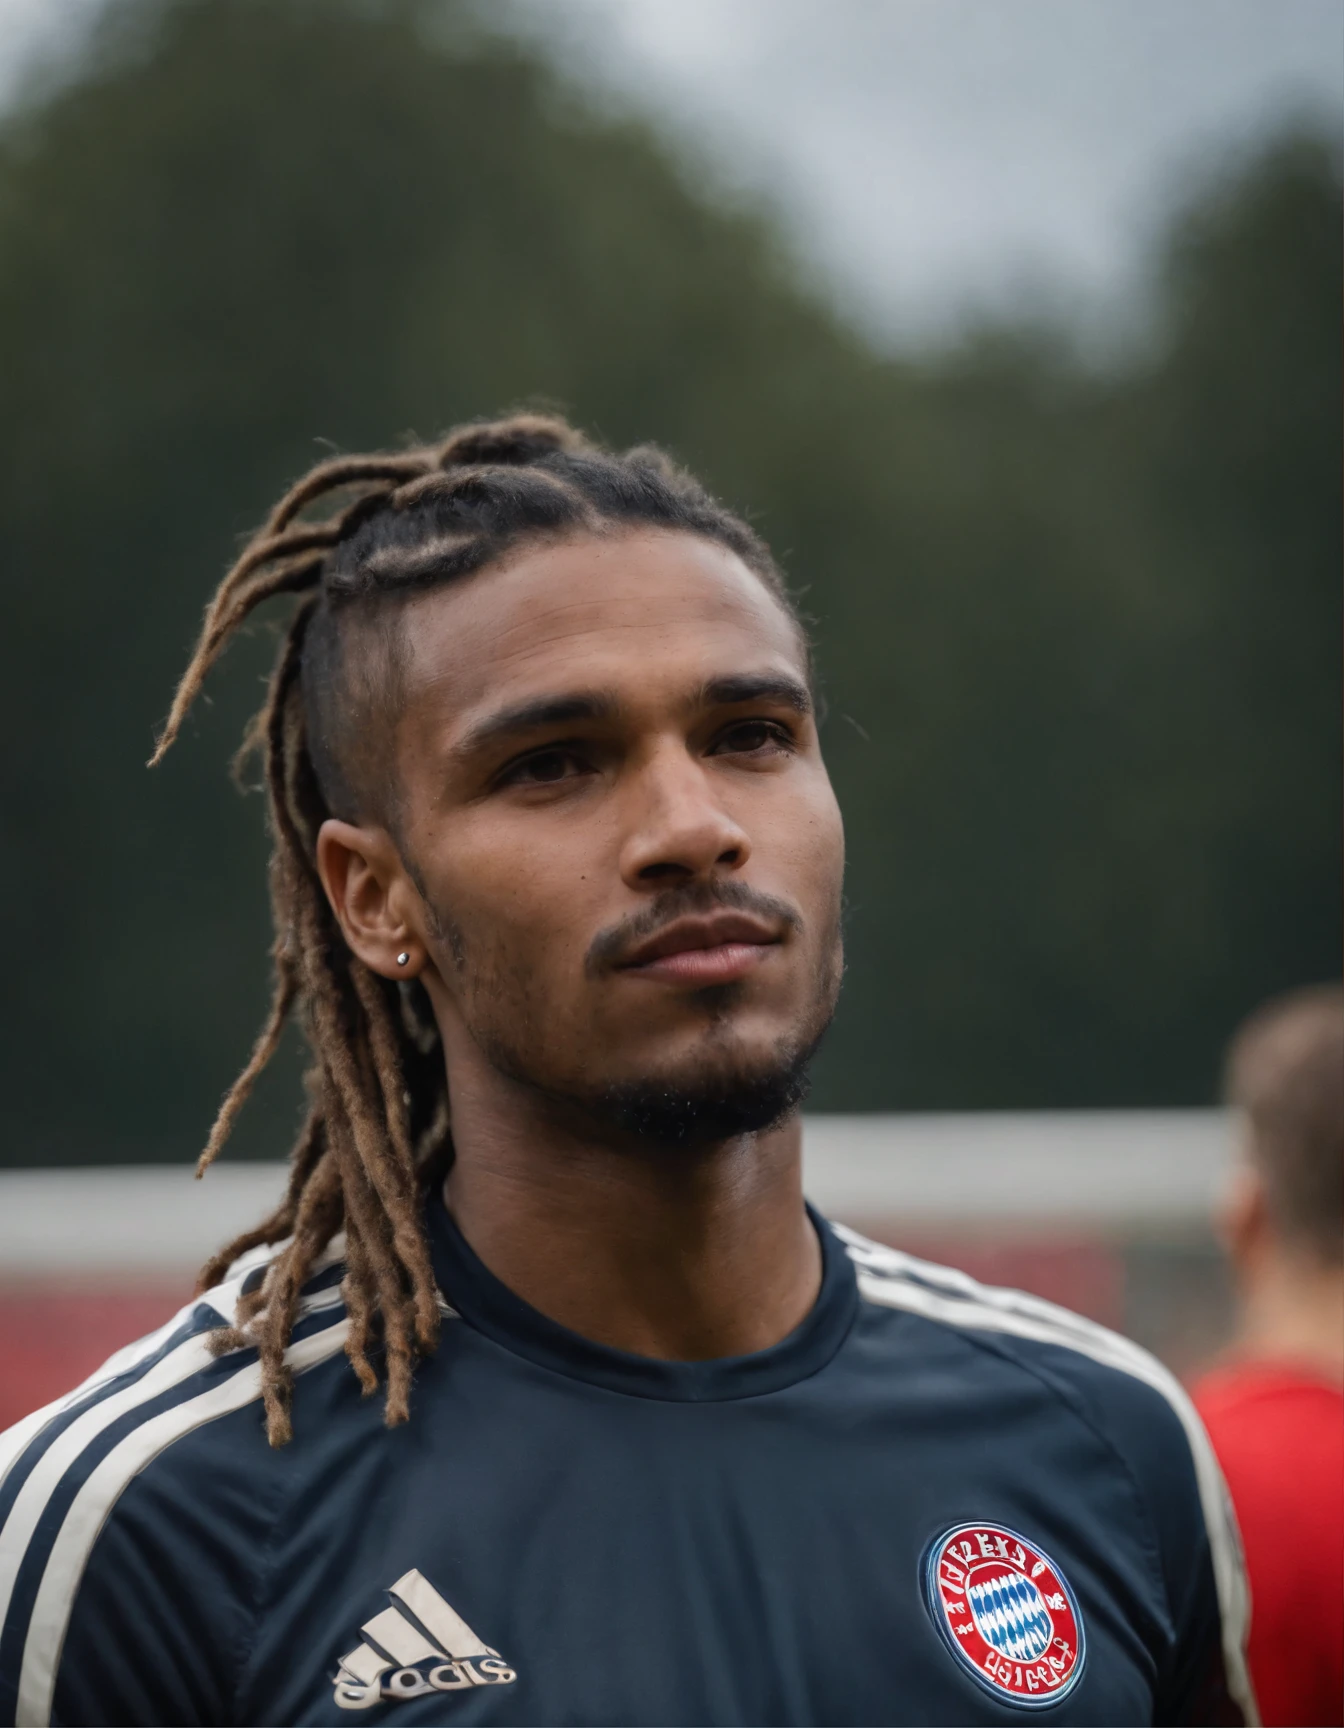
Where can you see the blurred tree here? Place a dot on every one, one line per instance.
(1126, 783)
(1073, 630)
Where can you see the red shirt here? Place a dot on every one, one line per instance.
(1279, 1435)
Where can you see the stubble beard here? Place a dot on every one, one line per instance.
(709, 1108)
(717, 1096)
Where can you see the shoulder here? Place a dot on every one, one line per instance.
(1258, 1415)
(1100, 1375)
(1135, 1405)
(1268, 1393)
(165, 1418)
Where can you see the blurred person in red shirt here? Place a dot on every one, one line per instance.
(1274, 1406)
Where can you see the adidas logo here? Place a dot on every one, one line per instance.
(418, 1645)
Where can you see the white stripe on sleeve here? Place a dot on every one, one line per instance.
(95, 1500)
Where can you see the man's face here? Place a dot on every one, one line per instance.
(614, 804)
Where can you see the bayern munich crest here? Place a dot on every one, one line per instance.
(1006, 1612)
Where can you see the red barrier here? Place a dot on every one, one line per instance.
(52, 1337)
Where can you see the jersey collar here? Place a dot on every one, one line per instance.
(493, 1309)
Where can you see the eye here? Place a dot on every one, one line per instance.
(545, 768)
(753, 738)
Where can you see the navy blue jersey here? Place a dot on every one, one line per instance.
(933, 1502)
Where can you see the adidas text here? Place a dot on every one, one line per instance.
(415, 1682)
(416, 1645)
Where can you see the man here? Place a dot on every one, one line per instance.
(557, 887)
(1275, 1408)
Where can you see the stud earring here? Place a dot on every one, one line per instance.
(403, 959)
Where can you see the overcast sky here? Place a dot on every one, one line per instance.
(933, 157)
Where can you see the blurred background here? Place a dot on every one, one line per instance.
(1016, 330)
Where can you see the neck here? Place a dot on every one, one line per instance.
(684, 1254)
(1293, 1311)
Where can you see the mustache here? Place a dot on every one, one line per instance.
(609, 946)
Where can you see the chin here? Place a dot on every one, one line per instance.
(698, 1104)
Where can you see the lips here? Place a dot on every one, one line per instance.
(709, 950)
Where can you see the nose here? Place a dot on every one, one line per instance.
(679, 830)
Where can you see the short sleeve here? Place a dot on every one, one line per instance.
(131, 1516)
(1151, 1423)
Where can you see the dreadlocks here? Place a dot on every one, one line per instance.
(377, 1123)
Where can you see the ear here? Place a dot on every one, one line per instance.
(1243, 1217)
(374, 900)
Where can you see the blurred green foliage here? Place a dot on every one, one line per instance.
(1078, 631)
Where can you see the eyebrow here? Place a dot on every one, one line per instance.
(542, 711)
(757, 687)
